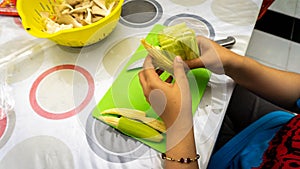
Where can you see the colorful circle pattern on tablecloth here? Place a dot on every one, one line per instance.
(141, 13)
(111, 145)
(53, 115)
(3, 125)
(7, 126)
(118, 53)
(38, 152)
(199, 24)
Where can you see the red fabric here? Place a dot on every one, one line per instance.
(8, 7)
(284, 149)
(264, 7)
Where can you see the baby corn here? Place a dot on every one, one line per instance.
(177, 40)
(134, 123)
(159, 59)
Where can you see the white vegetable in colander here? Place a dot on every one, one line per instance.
(53, 27)
(76, 13)
(74, 2)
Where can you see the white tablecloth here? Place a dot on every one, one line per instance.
(53, 90)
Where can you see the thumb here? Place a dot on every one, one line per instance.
(179, 72)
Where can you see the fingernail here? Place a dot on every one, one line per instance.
(178, 59)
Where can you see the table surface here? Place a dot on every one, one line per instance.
(53, 89)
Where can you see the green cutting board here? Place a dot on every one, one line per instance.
(126, 91)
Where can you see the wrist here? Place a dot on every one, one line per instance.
(181, 160)
(181, 147)
(178, 134)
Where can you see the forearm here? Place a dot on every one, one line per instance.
(280, 87)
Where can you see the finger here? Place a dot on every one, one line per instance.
(142, 79)
(149, 76)
(148, 63)
(152, 79)
(143, 82)
(179, 73)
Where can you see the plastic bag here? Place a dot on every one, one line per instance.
(6, 100)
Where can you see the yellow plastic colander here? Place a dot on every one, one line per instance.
(29, 11)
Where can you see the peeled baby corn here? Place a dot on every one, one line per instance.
(177, 40)
(134, 123)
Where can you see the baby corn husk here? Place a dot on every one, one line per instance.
(110, 120)
(139, 130)
(133, 128)
(154, 123)
(130, 113)
(159, 59)
(176, 40)
(189, 47)
(173, 49)
(137, 115)
(180, 37)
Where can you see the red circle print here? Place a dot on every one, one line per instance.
(3, 124)
(50, 115)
